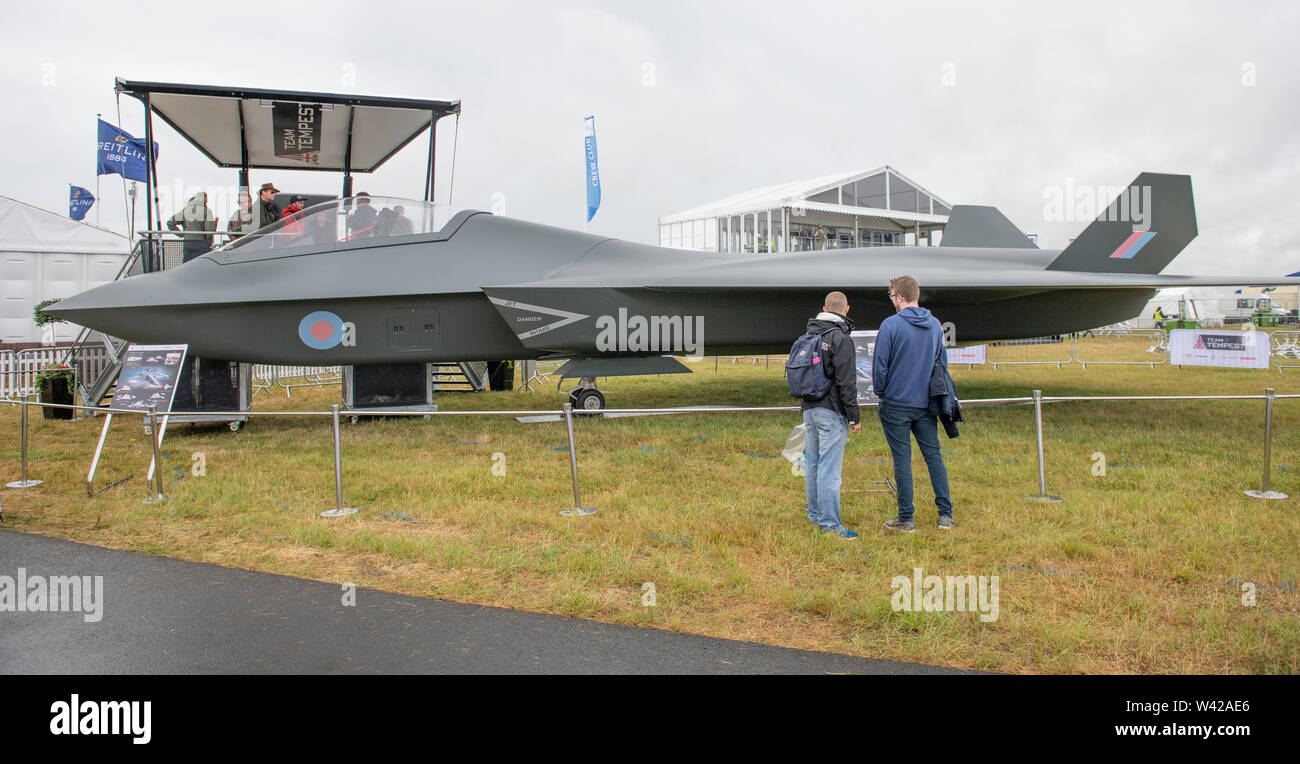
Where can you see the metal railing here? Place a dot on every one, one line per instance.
(1037, 399)
(165, 249)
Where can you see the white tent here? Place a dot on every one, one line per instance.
(46, 255)
(1203, 303)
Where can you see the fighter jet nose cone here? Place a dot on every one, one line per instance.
(110, 308)
(97, 298)
(67, 306)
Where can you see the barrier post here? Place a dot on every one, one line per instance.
(154, 435)
(1042, 496)
(25, 482)
(578, 510)
(339, 510)
(1264, 491)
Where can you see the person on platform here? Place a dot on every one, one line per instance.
(241, 220)
(361, 223)
(292, 216)
(384, 223)
(266, 211)
(320, 227)
(198, 222)
(402, 225)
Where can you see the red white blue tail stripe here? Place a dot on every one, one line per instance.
(1132, 245)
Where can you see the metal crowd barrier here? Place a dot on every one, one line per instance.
(751, 360)
(567, 416)
(1285, 345)
(1148, 347)
(18, 370)
(1049, 351)
(265, 377)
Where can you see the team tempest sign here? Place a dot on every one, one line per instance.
(1219, 342)
(296, 129)
(1241, 350)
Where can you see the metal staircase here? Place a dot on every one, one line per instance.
(97, 360)
(466, 376)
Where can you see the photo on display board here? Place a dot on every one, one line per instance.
(148, 377)
(864, 344)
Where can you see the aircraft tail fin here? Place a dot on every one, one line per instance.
(1141, 231)
(972, 225)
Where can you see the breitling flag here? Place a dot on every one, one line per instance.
(121, 154)
(79, 202)
(593, 171)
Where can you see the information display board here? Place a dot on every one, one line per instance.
(148, 378)
(865, 344)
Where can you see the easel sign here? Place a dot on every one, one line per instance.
(148, 378)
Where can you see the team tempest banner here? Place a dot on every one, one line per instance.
(1218, 347)
(296, 129)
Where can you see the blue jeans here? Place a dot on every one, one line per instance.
(898, 422)
(825, 433)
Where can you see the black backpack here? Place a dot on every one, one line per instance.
(806, 371)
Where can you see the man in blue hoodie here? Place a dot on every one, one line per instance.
(907, 348)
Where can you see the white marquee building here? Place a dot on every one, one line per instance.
(879, 207)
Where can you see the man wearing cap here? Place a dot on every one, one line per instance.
(293, 218)
(265, 212)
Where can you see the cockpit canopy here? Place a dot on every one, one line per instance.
(355, 218)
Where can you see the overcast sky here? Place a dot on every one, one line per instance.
(982, 103)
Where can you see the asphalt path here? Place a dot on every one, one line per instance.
(164, 616)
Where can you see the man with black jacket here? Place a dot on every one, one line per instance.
(828, 420)
(266, 211)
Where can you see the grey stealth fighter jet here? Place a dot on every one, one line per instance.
(336, 288)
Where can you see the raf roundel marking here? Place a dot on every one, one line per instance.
(321, 330)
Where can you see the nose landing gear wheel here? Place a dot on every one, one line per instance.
(587, 400)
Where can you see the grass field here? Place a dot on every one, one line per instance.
(1137, 571)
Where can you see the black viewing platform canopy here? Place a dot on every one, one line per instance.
(290, 130)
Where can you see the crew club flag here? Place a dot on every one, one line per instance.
(79, 202)
(593, 171)
(122, 154)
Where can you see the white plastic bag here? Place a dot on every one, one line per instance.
(793, 451)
